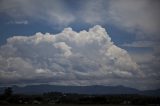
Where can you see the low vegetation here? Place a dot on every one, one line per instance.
(66, 98)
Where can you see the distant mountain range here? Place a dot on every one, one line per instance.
(96, 89)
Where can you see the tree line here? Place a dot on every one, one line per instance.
(8, 97)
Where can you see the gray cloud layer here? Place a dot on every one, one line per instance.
(54, 12)
(140, 16)
(67, 58)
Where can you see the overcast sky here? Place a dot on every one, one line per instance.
(80, 42)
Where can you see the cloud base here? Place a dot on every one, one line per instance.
(67, 58)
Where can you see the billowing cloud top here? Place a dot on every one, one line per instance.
(80, 58)
(67, 58)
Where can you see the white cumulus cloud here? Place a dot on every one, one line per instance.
(70, 58)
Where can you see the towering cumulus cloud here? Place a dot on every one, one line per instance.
(67, 58)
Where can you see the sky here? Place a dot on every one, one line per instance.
(80, 42)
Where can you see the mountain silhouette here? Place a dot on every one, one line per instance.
(95, 89)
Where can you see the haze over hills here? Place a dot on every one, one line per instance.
(95, 89)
